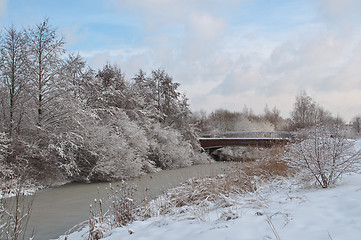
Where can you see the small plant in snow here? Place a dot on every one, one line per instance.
(324, 153)
(97, 221)
(121, 211)
(122, 204)
(15, 210)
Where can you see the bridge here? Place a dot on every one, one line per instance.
(245, 139)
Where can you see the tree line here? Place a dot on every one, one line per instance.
(306, 113)
(62, 120)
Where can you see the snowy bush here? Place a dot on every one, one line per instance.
(24, 163)
(168, 149)
(115, 159)
(324, 153)
(121, 146)
(34, 162)
(5, 172)
(4, 145)
(72, 155)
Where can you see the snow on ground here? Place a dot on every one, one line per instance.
(278, 210)
(294, 213)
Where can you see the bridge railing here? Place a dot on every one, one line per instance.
(282, 135)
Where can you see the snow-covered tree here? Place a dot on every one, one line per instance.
(356, 124)
(324, 153)
(45, 50)
(77, 75)
(13, 75)
(307, 113)
(79, 124)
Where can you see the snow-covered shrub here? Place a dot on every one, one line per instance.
(33, 161)
(115, 159)
(25, 162)
(121, 147)
(324, 153)
(5, 150)
(168, 149)
(73, 156)
(4, 145)
(201, 158)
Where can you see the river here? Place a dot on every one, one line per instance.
(56, 210)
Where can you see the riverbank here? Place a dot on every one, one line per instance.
(56, 210)
(263, 200)
(278, 210)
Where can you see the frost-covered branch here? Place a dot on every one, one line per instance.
(324, 152)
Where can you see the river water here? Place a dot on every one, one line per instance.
(56, 210)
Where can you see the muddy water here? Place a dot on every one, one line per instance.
(56, 210)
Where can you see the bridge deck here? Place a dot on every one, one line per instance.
(207, 143)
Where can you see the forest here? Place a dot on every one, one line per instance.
(62, 121)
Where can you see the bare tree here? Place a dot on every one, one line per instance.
(74, 72)
(356, 124)
(224, 120)
(304, 112)
(201, 121)
(273, 116)
(307, 113)
(324, 153)
(45, 50)
(13, 70)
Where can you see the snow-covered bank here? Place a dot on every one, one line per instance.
(244, 204)
(292, 212)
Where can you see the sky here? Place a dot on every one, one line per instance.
(225, 53)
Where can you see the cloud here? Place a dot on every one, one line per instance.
(206, 26)
(202, 36)
(3, 7)
(325, 64)
(344, 11)
(240, 80)
(222, 65)
(75, 34)
(311, 60)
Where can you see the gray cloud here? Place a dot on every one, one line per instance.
(341, 11)
(3, 7)
(226, 66)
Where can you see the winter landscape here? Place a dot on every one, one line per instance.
(180, 119)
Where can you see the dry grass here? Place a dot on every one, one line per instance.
(196, 195)
(240, 178)
(97, 221)
(269, 166)
(121, 211)
(122, 204)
